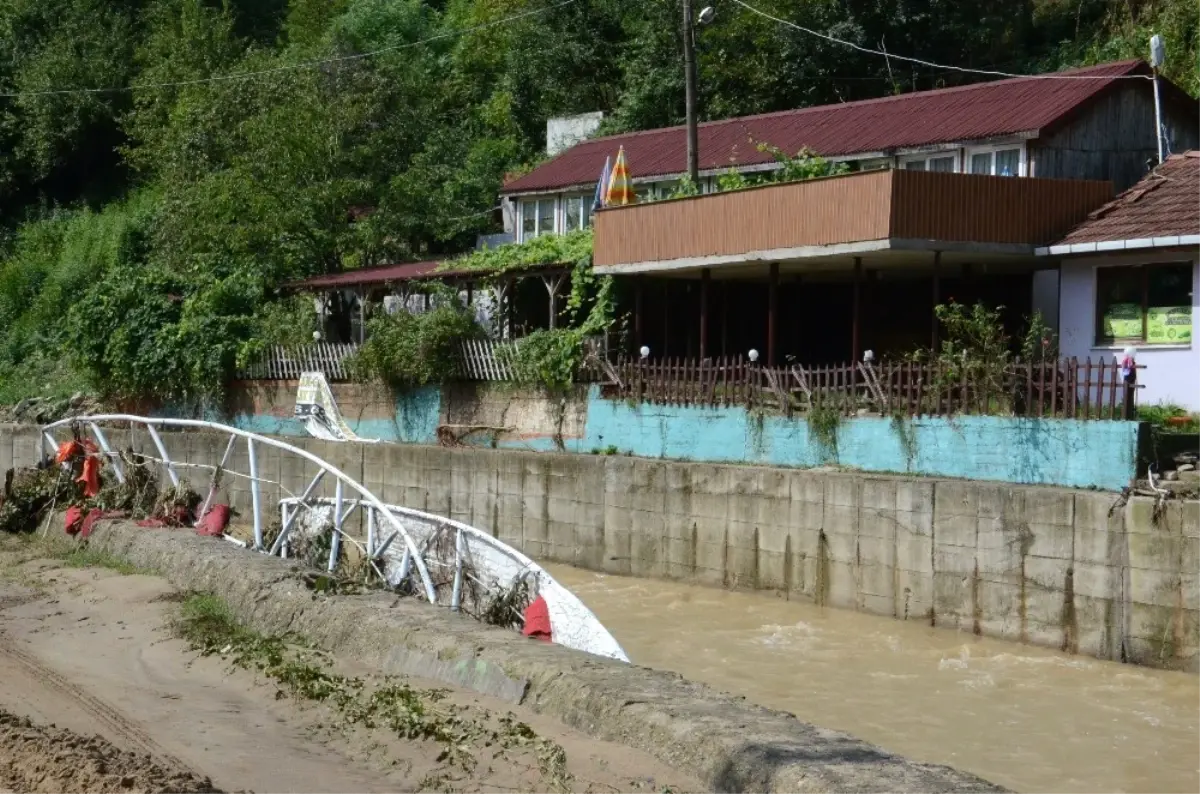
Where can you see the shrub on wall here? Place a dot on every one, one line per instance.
(405, 350)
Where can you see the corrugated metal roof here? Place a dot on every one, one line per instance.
(923, 118)
(1166, 203)
(368, 275)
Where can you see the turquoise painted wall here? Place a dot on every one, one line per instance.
(1063, 452)
(415, 421)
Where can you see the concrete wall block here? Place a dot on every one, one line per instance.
(877, 605)
(561, 542)
(772, 571)
(1097, 580)
(879, 581)
(1190, 589)
(741, 559)
(842, 491)
(534, 520)
(878, 493)
(1162, 552)
(876, 551)
(618, 551)
(711, 480)
(1139, 517)
(589, 546)
(711, 552)
(773, 537)
(648, 556)
(679, 550)
(1157, 588)
(1047, 572)
(842, 546)
(1190, 518)
(914, 501)
(6, 448)
(1001, 561)
(956, 515)
(996, 609)
(1098, 627)
(914, 552)
(508, 523)
(806, 487)
(1053, 540)
(914, 595)
(952, 600)
(843, 585)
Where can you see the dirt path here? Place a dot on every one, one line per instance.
(46, 759)
(87, 650)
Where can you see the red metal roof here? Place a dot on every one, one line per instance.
(922, 118)
(1166, 203)
(368, 275)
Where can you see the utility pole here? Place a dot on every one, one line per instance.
(689, 78)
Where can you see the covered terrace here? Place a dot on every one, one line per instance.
(507, 304)
(822, 270)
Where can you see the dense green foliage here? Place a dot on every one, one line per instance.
(406, 350)
(146, 232)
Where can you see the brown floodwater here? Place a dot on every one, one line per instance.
(1026, 718)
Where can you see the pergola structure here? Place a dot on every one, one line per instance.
(905, 240)
(413, 279)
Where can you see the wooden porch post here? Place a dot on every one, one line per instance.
(638, 289)
(553, 284)
(362, 316)
(937, 297)
(772, 311)
(705, 278)
(725, 320)
(666, 316)
(855, 342)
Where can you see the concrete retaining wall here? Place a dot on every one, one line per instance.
(1065, 569)
(728, 743)
(1062, 452)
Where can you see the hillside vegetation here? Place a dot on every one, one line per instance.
(166, 164)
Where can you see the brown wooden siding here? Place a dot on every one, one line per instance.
(969, 208)
(819, 212)
(1114, 137)
(847, 209)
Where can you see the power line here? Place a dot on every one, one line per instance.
(291, 67)
(967, 70)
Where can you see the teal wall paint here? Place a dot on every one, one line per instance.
(418, 414)
(415, 420)
(1064, 452)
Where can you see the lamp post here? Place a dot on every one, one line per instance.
(689, 81)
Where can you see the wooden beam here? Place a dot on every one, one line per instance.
(705, 280)
(856, 312)
(772, 311)
(937, 297)
(638, 289)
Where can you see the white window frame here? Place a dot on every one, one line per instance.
(925, 157)
(555, 212)
(1022, 157)
(585, 200)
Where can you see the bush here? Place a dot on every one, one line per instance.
(406, 350)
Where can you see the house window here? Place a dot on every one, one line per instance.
(577, 213)
(1148, 304)
(997, 162)
(537, 217)
(945, 163)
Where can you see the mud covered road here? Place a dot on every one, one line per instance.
(97, 694)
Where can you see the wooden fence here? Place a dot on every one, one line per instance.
(1064, 388)
(483, 360)
(287, 363)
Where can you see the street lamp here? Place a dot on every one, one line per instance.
(689, 80)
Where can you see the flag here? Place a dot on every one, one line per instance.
(620, 189)
(602, 185)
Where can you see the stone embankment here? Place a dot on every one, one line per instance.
(728, 743)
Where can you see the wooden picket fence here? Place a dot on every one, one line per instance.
(287, 363)
(481, 360)
(1065, 388)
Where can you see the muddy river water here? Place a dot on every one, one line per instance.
(1023, 717)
